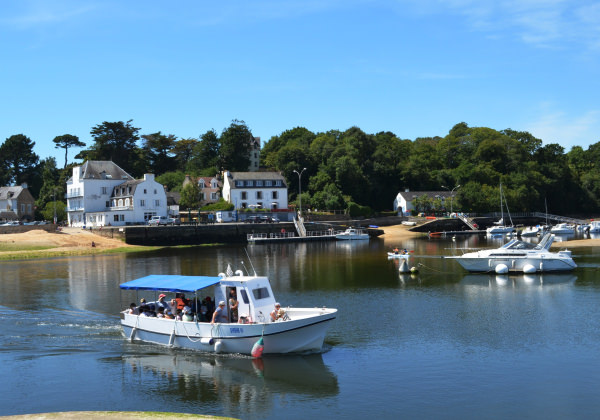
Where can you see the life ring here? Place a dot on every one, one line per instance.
(282, 230)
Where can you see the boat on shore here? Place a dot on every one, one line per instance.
(518, 256)
(299, 330)
(352, 234)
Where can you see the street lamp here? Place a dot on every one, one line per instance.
(451, 195)
(300, 189)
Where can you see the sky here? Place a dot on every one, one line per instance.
(412, 67)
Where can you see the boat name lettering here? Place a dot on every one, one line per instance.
(236, 330)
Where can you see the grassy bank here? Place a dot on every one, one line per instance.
(43, 252)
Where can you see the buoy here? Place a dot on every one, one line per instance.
(218, 347)
(257, 348)
(404, 268)
(414, 270)
(501, 269)
(528, 269)
(207, 340)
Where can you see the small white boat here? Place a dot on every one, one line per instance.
(352, 234)
(499, 228)
(408, 223)
(518, 256)
(563, 229)
(399, 254)
(530, 231)
(593, 227)
(300, 330)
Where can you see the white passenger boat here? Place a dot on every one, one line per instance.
(594, 226)
(301, 330)
(563, 229)
(352, 234)
(518, 256)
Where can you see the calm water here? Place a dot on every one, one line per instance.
(440, 344)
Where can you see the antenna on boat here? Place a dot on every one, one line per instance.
(243, 265)
(250, 261)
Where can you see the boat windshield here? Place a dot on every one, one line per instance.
(517, 244)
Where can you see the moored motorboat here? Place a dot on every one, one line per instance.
(352, 234)
(518, 256)
(563, 229)
(593, 226)
(299, 330)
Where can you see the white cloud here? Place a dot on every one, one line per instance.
(33, 13)
(557, 126)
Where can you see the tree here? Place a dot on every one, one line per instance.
(51, 188)
(158, 152)
(190, 196)
(61, 211)
(172, 180)
(205, 157)
(65, 141)
(183, 151)
(117, 142)
(236, 141)
(18, 160)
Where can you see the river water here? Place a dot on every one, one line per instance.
(439, 344)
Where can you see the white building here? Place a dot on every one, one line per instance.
(403, 204)
(255, 190)
(100, 193)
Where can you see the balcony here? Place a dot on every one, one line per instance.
(73, 195)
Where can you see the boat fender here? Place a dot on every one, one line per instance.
(528, 269)
(207, 340)
(258, 348)
(133, 331)
(501, 269)
(218, 347)
(172, 338)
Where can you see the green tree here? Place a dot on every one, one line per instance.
(51, 187)
(236, 146)
(205, 158)
(61, 211)
(158, 151)
(18, 160)
(117, 142)
(172, 180)
(65, 142)
(190, 196)
(183, 151)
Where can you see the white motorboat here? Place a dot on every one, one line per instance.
(593, 227)
(352, 234)
(518, 256)
(531, 231)
(300, 330)
(563, 229)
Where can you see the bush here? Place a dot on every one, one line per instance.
(356, 210)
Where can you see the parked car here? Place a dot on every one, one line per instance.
(173, 221)
(252, 219)
(274, 219)
(265, 219)
(158, 221)
(12, 223)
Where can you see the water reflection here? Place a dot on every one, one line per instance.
(243, 385)
(521, 280)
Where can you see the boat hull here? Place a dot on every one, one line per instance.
(360, 237)
(303, 333)
(515, 264)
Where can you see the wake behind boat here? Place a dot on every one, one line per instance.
(298, 330)
(518, 256)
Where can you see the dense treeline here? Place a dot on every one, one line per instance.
(349, 170)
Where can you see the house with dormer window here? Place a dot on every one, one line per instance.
(100, 193)
(210, 188)
(16, 203)
(266, 190)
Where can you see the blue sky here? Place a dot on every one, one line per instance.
(413, 67)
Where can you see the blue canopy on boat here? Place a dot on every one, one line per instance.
(170, 283)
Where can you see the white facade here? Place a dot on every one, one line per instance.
(255, 190)
(403, 203)
(101, 194)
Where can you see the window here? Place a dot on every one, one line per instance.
(213, 183)
(244, 195)
(214, 196)
(22, 208)
(244, 296)
(28, 208)
(274, 195)
(278, 183)
(250, 183)
(201, 196)
(120, 203)
(104, 190)
(201, 183)
(127, 202)
(260, 293)
(145, 191)
(155, 191)
(239, 183)
(142, 203)
(259, 195)
(268, 183)
(116, 218)
(121, 217)
(157, 203)
(108, 204)
(259, 183)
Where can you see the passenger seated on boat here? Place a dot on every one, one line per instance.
(161, 312)
(161, 302)
(133, 310)
(220, 314)
(245, 319)
(147, 311)
(277, 313)
(179, 315)
(169, 314)
(187, 314)
(181, 300)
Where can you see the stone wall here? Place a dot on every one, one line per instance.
(26, 228)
